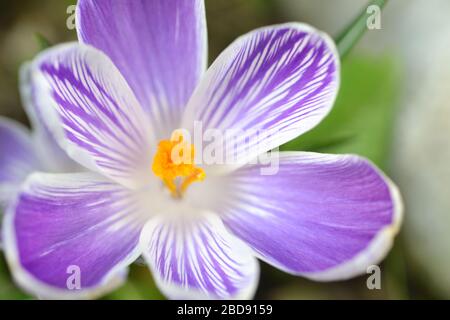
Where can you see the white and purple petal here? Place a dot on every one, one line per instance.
(94, 113)
(199, 259)
(18, 158)
(67, 223)
(53, 157)
(160, 46)
(326, 217)
(270, 86)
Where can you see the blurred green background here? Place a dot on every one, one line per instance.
(376, 77)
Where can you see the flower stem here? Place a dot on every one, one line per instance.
(355, 30)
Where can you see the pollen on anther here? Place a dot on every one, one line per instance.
(174, 164)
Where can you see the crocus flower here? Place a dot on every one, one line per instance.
(23, 152)
(114, 102)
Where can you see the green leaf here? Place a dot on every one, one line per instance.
(139, 286)
(8, 289)
(362, 117)
(42, 41)
(355, 30)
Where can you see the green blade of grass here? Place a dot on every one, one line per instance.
(355, 30)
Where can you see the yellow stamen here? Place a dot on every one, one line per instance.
(174, 164)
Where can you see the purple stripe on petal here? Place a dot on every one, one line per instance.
(160, 46)
(280, 80)
(104, 127)
(54, 158)
(199, 259)
(68, 222)
(18, 158)
(323, 216)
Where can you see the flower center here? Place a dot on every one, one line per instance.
(174, 164)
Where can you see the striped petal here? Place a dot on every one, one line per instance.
(160, 46)
(268, 87)
(100, 123)
(199, 259)
(326, 217)
(71, 235)
(18, 158)
(54, 158)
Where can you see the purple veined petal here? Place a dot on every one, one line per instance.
(53, 157)
(270, 86)
(199, 259)
(18, 158)
(94, 114)
(160, 46)
(79, 225)
(325, 217)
